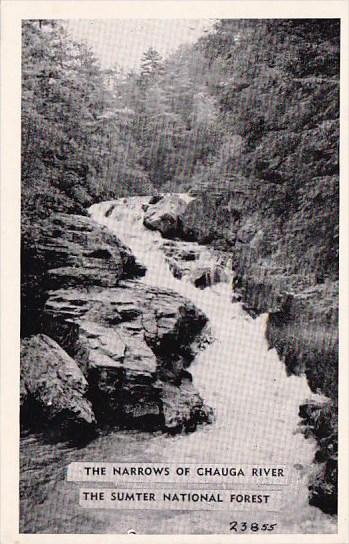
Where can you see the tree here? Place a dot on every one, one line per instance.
(151, 66)
(77, 144)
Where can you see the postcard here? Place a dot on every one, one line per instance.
(174, 271)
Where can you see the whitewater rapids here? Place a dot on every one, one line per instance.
(256, 419)
(255, 403)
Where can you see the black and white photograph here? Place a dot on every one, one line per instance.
(179, 282)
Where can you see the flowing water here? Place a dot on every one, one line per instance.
(256, 416)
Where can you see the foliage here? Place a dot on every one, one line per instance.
(76, 144)
(276, 203)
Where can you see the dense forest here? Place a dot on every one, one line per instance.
(247, 120)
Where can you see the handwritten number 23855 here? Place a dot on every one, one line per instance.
(243, 526)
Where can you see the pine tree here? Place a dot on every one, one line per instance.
(151, 66)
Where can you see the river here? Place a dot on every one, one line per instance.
(256, 416)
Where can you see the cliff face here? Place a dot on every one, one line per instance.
(98, 351)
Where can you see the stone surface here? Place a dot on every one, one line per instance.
(200, 266)
(165, 215)
(66, 251)
(126, 340)
(183, 407)
(129, 341)
(78, 251)
(53, 388)
(205, 276)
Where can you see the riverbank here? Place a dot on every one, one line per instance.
(275, 273)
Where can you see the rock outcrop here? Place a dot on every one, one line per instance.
(198, 265)
(110, 352)
(133, 344)
(165, 215)
(66, 251)
(52, 388)
(78, 251)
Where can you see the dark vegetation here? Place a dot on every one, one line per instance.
(278, 205)
(248, 120)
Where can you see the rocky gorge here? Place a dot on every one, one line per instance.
(146, 336)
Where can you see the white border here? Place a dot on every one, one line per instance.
(12, 14)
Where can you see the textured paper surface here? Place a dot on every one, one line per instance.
(12, 14)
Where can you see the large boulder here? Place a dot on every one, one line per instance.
(130, 341)
(165, 215)
(66, 251)
(52, 388)
(78, 251)
(125, 340)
